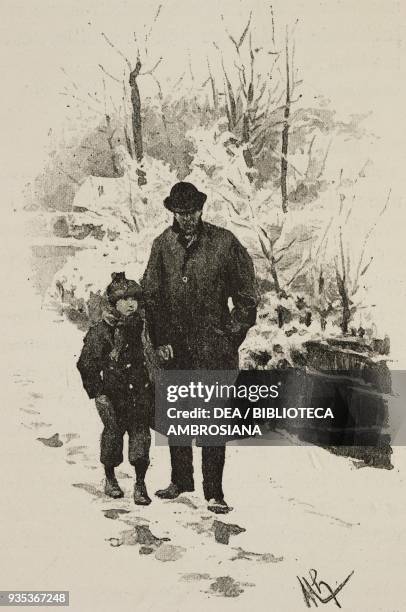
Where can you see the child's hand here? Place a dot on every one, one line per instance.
(164, 353)
(105, 410)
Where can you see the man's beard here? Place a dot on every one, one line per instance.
(189, 231)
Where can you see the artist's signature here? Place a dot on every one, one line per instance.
(317, 591)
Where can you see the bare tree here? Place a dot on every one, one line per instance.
(291, 83)
(94, 103)
(136, 114)
(348, 283)
(270, 248)
(133, 73)
(285, 131)
(321, 300)
(243, 104)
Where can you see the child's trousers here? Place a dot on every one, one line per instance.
(133, 417)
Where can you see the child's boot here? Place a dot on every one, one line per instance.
(111, 487)
(141, 497)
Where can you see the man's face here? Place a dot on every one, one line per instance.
(188, 221)
(127, 307)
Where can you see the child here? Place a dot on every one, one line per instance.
(113, 370)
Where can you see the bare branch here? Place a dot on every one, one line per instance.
(323, 238)
(234, 187)
(70, 79)
(102, 68)
(93, 97)
(74, 97)
(158, 84)
(243, 35)
(365, 242)
(342, 255)
(178, 82)
(148, 34)
(229, 202)
(238, 44)
(273, 26)
(72, 178)
(323, 165)
(293, 29)
(299, 270)
(361, 173)
(117, 50)
(126, 132)
(348, 214)
(291, 165)
(153, 68)
(285, 248)
(213, 86)
(118, 111)
(309, 155)
(363, 271)
(292, 61)
(105, 102)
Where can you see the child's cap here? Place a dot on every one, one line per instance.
(122, 288)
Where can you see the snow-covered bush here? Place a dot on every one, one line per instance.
(128, 217)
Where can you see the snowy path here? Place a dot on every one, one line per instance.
(301, 507)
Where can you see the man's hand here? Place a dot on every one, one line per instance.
(164, 353)
(106, 410)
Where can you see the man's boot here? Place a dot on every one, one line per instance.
(111, 486)
(172, 492)
(218, 506)
(141, 497)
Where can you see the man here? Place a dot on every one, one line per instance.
(193, 270)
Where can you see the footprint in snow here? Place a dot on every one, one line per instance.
(223, 531)
(139, 534)
(38, 424)
(71, 436)
(226, 586)
(91, 489)
(194, 577)
(252, 556)
(114, 513)
(76, 450)
(53, 441)
(169, 552)
(183, 500)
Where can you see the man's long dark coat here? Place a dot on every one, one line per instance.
(187, 290)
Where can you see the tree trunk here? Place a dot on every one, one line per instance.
(213, 90)
(128, 142)
(247, 154)
(274, 275)
(285, 135)
(136, 112)
(345, 301)
(110, 142)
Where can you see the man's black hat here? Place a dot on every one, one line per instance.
(184, 197)
(122, 288)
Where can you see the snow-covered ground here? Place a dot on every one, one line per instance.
(301, 507)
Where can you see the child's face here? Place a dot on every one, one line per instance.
(127, 306)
